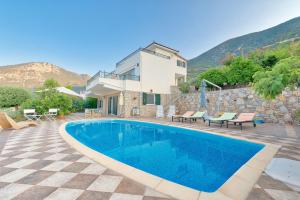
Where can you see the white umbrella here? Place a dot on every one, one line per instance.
(121, 99)
(64, 90)
(68, 92)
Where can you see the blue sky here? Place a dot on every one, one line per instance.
(85, 36)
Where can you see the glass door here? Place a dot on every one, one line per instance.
(113, 105)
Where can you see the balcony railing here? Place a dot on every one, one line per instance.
(112, 75)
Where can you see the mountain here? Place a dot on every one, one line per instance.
(288, 30)
(32, 75)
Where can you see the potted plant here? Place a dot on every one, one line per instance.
(61, 115)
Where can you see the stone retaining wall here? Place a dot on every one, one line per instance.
(244, 100)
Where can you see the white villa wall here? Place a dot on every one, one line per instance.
(128, 64)
(158, 74)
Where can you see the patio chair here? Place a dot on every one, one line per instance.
(220, 120)
(87, 113)
(195, 116)
(243, 118)
(30, 114)
(171, 111)
(159, 111)
(180, 117)
(51, 114)
(6, 122)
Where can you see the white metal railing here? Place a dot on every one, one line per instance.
(111, 75)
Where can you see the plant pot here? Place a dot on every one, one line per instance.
(60, 117)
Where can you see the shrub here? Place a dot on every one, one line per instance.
(241, 71)
(12, 96)
(90, 102)
(286, 73)
(215, 75)
(44, 101)
(297, 114)
(77, 105)
(269, 61)
(184, 87)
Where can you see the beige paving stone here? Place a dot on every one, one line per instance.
(177, 191)
(58, 179)
(12, 190)
(119, 196)
(93, 168)
(213, 196)
(16, 175)
(65, 194)
(105, 183)
(231, 185)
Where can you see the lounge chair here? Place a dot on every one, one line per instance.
(51, 114)
(180, 117)
(7, 122)
(159, 111)
(195, 116)
(243, 118)
(220, 120)
(30, 114)
(172, 111)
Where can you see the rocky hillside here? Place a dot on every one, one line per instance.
(242, 45)
(32, 75)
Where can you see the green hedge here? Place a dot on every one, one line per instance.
(12, 96)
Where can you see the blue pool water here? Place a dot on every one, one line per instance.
(195, 159)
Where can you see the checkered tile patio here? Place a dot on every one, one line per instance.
(36, 163)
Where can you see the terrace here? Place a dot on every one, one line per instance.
(37, 163)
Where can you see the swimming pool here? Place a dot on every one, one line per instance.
(195, 159)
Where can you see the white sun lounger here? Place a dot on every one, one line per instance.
(159, 111)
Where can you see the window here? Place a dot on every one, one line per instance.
(151, 99)
(181, 63)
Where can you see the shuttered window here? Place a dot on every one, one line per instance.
(151, 99)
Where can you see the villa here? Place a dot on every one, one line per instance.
(130, 89)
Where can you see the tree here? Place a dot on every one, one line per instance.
(286, 73)
(241, 71)
(43, 103)
(90, 102)
(70, 87)
(184, 87)
(214, 75)
(12, 96)
(48, 97)
(50, 84)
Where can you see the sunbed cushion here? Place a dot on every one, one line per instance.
(188, 114)
(244, 117)
(226, 116)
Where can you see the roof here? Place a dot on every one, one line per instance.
(161, 45)
(153, 43)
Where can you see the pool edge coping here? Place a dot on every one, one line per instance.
(245, 178)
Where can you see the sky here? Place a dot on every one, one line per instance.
(86, 36)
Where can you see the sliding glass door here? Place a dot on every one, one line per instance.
(113, 105)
